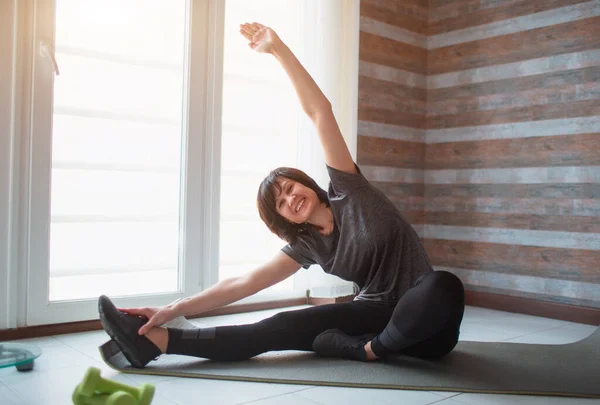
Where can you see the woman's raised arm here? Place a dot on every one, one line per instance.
(314, 103)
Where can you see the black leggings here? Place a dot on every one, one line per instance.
(424, 323)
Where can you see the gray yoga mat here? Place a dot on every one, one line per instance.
(500, 368)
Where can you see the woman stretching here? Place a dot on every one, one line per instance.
(353, 231)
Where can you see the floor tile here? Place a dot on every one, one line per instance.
(183, 391)
(478, 314)
(9, 397)
(86, 343)
(362, 396)
(160, 400)
(452, 401)
(492, 399)
(565, 334)
(287, 399)
(51, 387)
(525, 324)
(54, 387)
(474, 332)
(75, 340)
(52, 358)
(445, 394)
(40, 341)
(149, 379)
(503, 326)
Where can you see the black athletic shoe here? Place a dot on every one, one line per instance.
(335, 343)
(123, 329)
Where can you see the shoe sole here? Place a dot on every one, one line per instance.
(121, 338)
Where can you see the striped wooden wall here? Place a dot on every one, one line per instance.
(491, 143)
(392, 109)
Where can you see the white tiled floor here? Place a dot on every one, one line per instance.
(66, 357)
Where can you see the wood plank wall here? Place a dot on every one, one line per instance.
(480, 119)
(392, 109)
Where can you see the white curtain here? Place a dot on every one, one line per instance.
(330, 54)
(264, 126)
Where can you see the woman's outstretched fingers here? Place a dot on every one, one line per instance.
(248, 30)
(246, 34)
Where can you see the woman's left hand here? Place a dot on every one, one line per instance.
(262, 39)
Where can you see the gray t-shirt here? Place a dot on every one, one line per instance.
(372, 244)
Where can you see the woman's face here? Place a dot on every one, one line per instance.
(295, 202)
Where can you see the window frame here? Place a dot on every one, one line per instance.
(199, 226)
(9, 151)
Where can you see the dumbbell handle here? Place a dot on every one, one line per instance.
(106, 386)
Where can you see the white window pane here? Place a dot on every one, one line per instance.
(254, 103)
(114, 194)
(232, 206)
(116, 147)
(107, 245)
(140, 29)
(120, 88)
(83, 286)
(239, 247)
(239, 270)
(257, 153)
(108, 141)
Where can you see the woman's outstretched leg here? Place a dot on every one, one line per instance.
(290, 330)
(426, 320)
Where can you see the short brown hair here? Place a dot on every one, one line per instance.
(265, 201)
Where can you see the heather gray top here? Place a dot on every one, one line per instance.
(372, 244)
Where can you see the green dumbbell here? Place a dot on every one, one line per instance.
(116, 398)
(93, 383)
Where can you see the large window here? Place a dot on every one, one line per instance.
(124, 117)
(116, 147)
(139, 134)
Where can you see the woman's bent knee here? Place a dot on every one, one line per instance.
(443, 281)
(447, 278)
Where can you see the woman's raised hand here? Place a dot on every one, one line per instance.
(156, 316)
(262, 39)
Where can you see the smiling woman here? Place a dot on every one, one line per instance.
(353, 231)
(279, 196)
